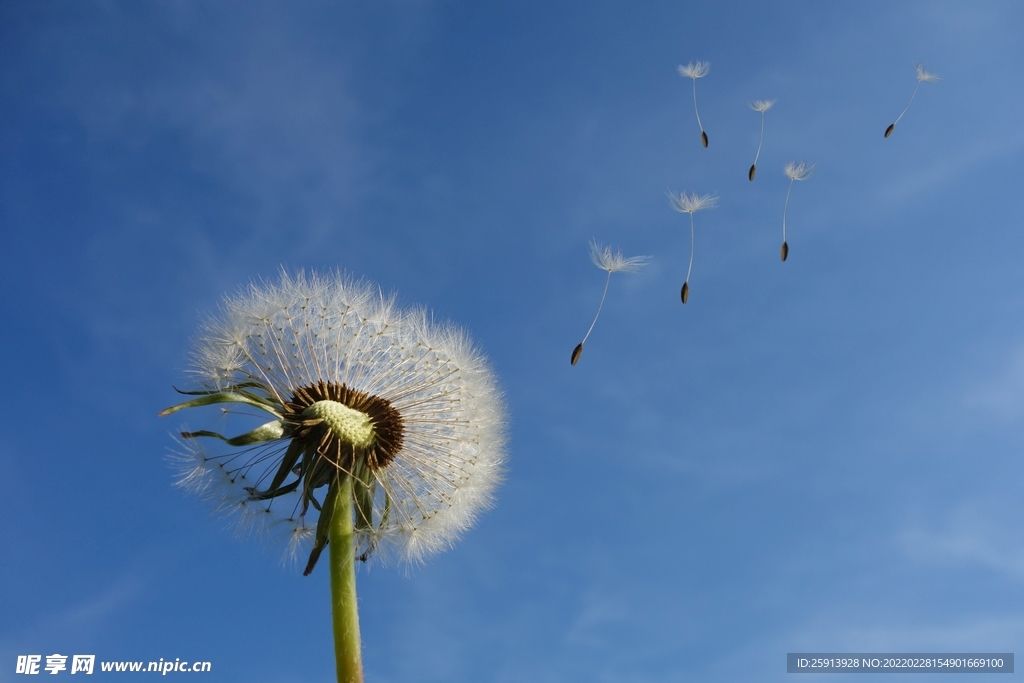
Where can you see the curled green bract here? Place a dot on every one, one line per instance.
(270, 431)
(234, 394)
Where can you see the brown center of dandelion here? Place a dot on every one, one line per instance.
(345, 424)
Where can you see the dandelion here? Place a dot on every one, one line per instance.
(794, 171)
(614, 262)
(761, 106)
(696, 70)
(386, 433)
(922, 77)
(690, 203)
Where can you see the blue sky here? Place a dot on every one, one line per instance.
(817, 455)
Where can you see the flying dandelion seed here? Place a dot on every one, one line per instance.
(761, 106)
(386, 437)
(690, 203)
(922, 77)
(614, 262)
(696, 70)
(793, 171)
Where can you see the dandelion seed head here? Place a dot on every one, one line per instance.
(691, 203)
(762, 105)
(613, 261)
(799, 171)
(694, 70)
(924, 76)
(299, 539)
(366, 388)
(194, 471)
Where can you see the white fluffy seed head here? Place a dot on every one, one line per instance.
(799, 171)
(613, 261)
(694, 70)
(924, 76)
(302, 330)
(762, 105)
(691, 203)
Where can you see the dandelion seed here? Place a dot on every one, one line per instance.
(696, 70)
(761, 106)
(386, 437)
(922, 77)
(793, 171)
(690, 203)
(613, 262)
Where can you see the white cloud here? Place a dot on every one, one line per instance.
(604, 610)
(847, 632)
(78, 622)
(243, 97)
(1002, 395)
(974, 533)
(943, 172)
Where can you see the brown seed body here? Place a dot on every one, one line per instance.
(704, 138)
(753, 170)
(685, 293)
(576, 353)
(785, 251)
(888, 131)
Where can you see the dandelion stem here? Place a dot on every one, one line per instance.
(908, 104)
(599, 306)
(695, 106)
(690, 267)
(785, 210)
(344, 609)
(759, 141)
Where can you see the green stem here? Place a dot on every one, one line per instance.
(344, 609)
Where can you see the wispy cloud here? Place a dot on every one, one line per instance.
(975, 533)
(604, 610)
(243, 98)
(80, 621)
(1002, 395)
(943, 172)
(833, 631)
